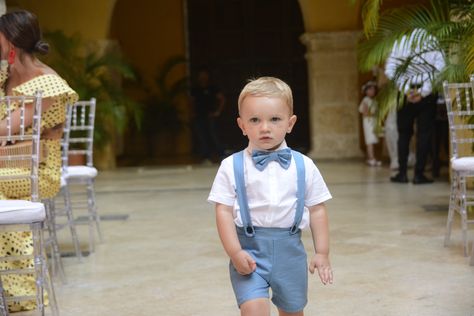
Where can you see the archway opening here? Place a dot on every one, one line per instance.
(241, 39)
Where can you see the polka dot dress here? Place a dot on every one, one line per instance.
(55, 88)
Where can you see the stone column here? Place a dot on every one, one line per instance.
(333, 94)
(3, 7)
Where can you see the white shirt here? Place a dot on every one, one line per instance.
(416, 74)
(271, 192)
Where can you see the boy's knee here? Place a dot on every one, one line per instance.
(255, 307)
(284, 313)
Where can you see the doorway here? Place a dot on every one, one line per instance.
(242, 39)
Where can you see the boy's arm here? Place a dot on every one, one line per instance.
(320, 232)
(242, 261)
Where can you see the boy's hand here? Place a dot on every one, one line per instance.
(321, 263)
(243, 262)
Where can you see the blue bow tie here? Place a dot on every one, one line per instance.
(262, 158)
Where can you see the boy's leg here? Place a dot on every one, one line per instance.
(283, 313)
(256, 307)
(289, 281)
(254, 286)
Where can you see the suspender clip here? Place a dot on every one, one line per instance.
(249, 231)
(294, 229)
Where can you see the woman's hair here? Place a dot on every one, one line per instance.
(21, 28)
(267, 87)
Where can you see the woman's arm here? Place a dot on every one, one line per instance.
(16, 117)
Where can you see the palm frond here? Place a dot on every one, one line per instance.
(113, 62)
(469, 59)
(452, 72)
(370, 16)
(387, 99)
(164, 71)
(393, 26)
(163, 101)
(179, 87)
(99, 75)
(450, 22)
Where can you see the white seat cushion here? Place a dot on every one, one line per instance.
(463, 164)
(63, 181)
(81, 172)
(21, 212)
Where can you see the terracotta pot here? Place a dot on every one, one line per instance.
(76, 159)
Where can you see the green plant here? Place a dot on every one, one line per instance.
(450, 22)
(162, 104)
(93, 72)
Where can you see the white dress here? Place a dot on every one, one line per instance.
(369, 121)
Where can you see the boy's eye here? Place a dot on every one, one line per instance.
(253, 120)
(275, 119)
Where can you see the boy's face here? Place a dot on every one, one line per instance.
(265, 121)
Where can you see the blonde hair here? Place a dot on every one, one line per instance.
(267, 87)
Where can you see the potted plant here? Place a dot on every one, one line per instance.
(95, 72)
(163, 119)
(450, 22)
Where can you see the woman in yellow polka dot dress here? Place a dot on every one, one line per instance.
(20, 39)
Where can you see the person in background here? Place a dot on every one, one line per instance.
(419, 104)
(368, 109)
(207, 102)
(264, 197)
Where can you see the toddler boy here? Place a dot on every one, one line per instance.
(264, 196)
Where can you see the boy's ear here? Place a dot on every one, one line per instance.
(291, 123)
(241, 125)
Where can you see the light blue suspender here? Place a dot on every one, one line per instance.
(300, 190)
(242, 193)
(238, 159)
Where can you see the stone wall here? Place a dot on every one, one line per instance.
(333, 94)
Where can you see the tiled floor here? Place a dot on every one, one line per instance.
(166, 259)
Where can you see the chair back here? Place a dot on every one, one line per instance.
(81, 134)
(22, 139)
(65, 139)
(459, 98)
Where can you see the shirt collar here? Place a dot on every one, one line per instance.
(250, 148)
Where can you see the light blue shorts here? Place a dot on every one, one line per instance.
(281, 265)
